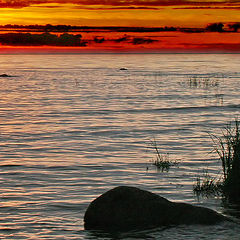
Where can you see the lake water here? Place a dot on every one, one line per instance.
(75, 126)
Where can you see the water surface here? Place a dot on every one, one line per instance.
(74, 126)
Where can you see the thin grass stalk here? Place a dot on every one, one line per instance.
(220, 150)
(154, 144)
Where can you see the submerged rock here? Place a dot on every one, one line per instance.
(5, 75)
(128, 208)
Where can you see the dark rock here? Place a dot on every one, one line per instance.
(5, 75)
(123, 69)
(129, 208)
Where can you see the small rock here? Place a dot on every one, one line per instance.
(5, 75)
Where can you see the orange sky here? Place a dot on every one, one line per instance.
(135, 13)
(190, 13)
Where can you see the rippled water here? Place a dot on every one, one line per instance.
(74, 126)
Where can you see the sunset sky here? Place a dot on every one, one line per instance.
(183, 13)
(128, 13)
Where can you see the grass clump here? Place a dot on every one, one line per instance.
(207, 185)
(202, 83)
(228, 149)
(161, 161)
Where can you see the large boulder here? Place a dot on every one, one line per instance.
(129, 208)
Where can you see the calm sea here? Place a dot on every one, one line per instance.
(75, 126)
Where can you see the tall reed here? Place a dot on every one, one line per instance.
(228, 150)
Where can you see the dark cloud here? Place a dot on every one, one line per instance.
(19, 3)
(121, 3)
(117, 8)
(210, 7)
